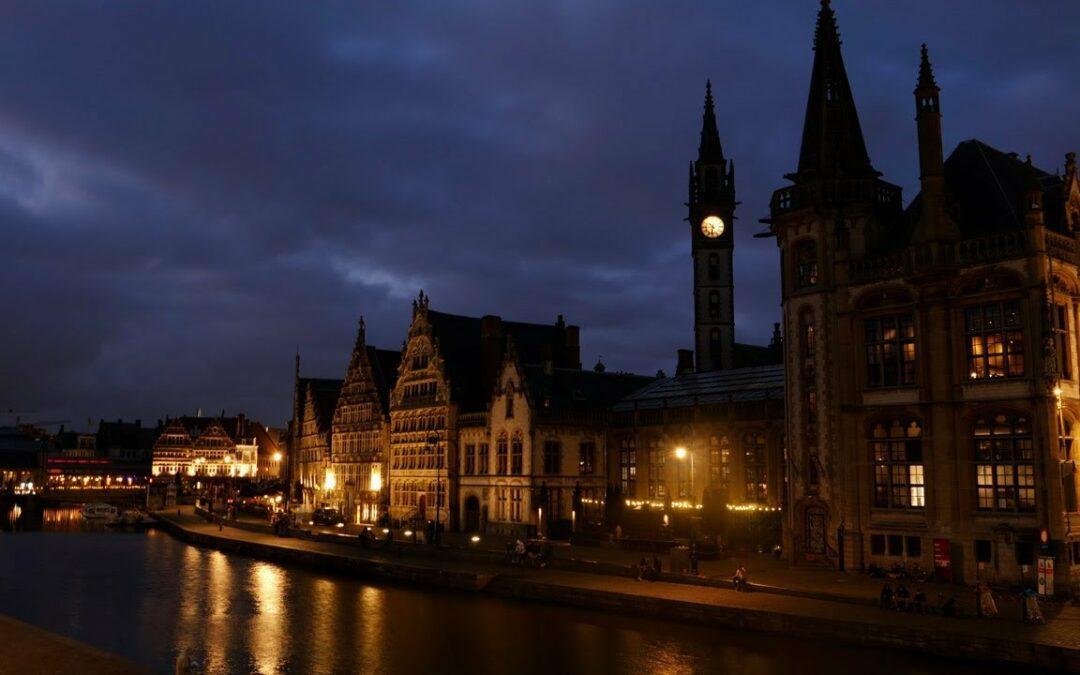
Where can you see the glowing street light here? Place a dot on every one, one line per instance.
(681, 454)
(277, 456)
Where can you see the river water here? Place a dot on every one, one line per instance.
(146, 595)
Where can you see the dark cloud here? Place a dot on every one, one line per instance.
(188, 191)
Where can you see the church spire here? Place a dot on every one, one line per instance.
(832, 142)
(709, 149)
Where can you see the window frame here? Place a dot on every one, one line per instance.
(980, 340)
(903, 363)
(898, 464)
(1002, 474)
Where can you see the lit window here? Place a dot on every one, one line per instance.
(897, 452)
(1004, 469)
(995, 340)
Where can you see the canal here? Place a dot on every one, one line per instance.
(145, 595)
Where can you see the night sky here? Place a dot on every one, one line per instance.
(190, 191)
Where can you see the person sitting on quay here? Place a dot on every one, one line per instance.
(1029, 603)
(902, 597)
(920, 601)
(948, 608)
(741, 579)
(519, 552)
(642, 568)
(987, 606)
(886, 598)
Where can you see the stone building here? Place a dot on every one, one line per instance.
(310, 436)
(444, 386)
(209, 446)
(537, 453)
(930, 352)
(360, 433)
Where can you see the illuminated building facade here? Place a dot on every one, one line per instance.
(209, 446)
(360, 432)
(933, 389)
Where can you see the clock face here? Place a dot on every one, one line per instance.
(712, 226)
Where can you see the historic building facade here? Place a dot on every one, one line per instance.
(360, 432)
(930, 352)
(310, 438)
(209, 446)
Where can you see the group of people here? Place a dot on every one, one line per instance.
(741, 579)
(648, 570)
(535, 552)
(902, 600)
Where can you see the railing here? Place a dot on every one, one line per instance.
(477, 419)
(836, 192)
(1061, 247)
(993, 247)
(892, 265)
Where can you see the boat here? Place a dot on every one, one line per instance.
(100, 512)
(131, 518)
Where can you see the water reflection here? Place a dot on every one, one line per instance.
(147, 596)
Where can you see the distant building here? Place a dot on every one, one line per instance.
(210, 446)
(116, 457)
(22, 458)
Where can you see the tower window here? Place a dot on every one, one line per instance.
(711, 180)
(714, 266)
(1061, 337)
(806, 265)
(714, 305)
(714, 343)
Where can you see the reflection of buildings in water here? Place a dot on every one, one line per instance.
(191, 620)
(326, 648)
(219, 636)
(269, 627)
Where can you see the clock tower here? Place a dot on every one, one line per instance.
(712, 214)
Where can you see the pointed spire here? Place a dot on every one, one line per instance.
(832, 142)
(709, 148)
(926, 71)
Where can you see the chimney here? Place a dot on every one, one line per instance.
(685, 364)
(572, 354)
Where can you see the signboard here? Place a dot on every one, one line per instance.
(1045, 572)
(942, 560)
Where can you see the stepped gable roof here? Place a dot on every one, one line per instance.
(759, 383)
(384, 368)
(325, 392)
(575, 389)
(471, 370)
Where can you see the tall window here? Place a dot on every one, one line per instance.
(1004, 469)
(714, 305)
(586, 457)
(552, 456)
(501, 456)
(515, 505)
(899, 480)
(509, 401)
(483, 453)
(628, 466)
(754, 467)
(719, 463)
(714, 266)
(1065, 453)
(470, 459)
(714, 343)
(995, 340)
(809, 337)
(656, 470)
(503, 507)
(890, 351)
(806, 266)
(1061, 338)
(516, 455)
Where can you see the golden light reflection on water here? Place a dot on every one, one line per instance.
(190, 625)
(372, 626)
(218, 626)
(269, 627)
(324, 598)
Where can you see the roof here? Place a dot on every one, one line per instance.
(384, 368)
(737, 385)
(127, 435)
(472, 357)
(757, 355)
(325, 392)
(574, 389)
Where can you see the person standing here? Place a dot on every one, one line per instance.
(987, 606)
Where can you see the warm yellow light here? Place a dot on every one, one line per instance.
(475, 539)
(277, 456)
(1057, 392)
(712, 226)
(408, 533)
(375, 484)
(330, 482)
(680, 452)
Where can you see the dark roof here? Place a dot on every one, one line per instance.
(472, 358)
(126, 435)
(987, 189)
(238, 428)
(384, 367)
(574, 389)
(757, 355)
(326, 392)
(832, 140)
(721, 386)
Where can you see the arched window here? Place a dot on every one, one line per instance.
(657, 488)
(516, 456)
(808, 335)
(897, 453)
(1066, 450)
(1004, 468)
(714, 305)
(755, 467)
(806, 264)
(714, 266)
(714, 343)
(509, 400)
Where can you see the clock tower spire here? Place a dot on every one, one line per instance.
(712, 212)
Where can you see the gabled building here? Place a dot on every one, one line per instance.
(448, 370)
(311, 435)
(360, 432)
(931, 353)
(209, 446)
(537, 453)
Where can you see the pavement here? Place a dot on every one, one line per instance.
(851, 598)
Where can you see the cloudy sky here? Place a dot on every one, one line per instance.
(189, 191)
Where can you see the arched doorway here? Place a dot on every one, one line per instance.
(472, 514)
(421, 507)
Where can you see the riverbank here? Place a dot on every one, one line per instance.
(31, 650)
(1055, 645)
